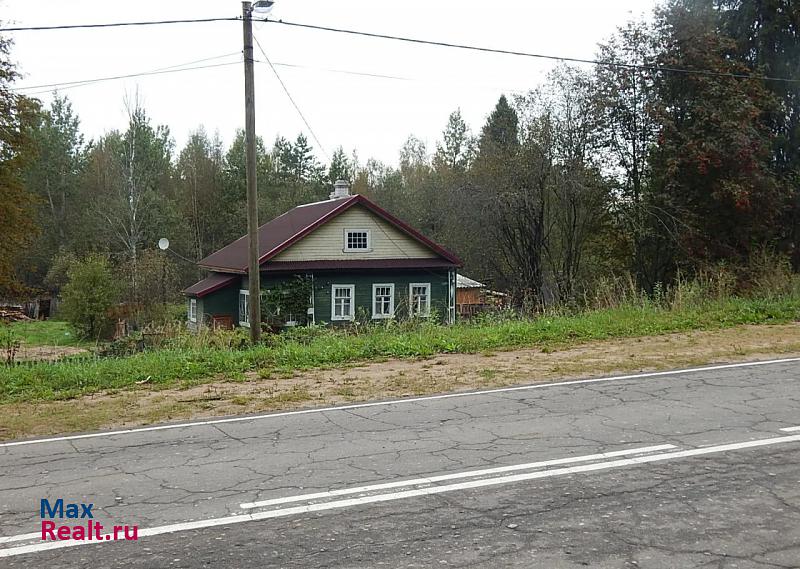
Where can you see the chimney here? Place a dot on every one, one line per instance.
(341, 189)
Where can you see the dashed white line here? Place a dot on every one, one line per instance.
(396, 402)
(791, 429)
(452, 476)
(20, 537)
(470, 484)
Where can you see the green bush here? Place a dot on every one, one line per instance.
(88, 296)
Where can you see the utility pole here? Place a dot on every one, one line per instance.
(252, 202)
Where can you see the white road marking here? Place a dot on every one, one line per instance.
(453, 476)
(791, 429)
(471, 484)
(395, 402)
(20, 537)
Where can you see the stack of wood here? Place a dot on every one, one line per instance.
(11, 314)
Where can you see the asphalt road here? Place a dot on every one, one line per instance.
(691, 469)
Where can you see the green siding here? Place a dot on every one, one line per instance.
(223, 302)
(363, 282)
(226, 301)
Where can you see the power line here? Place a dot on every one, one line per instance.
(400, 77)
(531, 55)
(117, 24)
(159, 71)
(288, 94)
(416, 41)
(144, 74)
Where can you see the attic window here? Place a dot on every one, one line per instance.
(356, 240)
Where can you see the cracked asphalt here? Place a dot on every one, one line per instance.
(734, 509)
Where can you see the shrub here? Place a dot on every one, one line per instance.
(88, 295)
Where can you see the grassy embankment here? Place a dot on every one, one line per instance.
(47, 333)
(188, 360)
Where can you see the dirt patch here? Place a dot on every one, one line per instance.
(396, 378)
(47, 353)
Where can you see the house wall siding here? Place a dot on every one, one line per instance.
(327, 242)
(223, 302)
(363, 282)
(226, 301)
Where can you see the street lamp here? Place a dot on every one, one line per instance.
(262, 7)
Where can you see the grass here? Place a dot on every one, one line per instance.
(46, 333)
(170, 367)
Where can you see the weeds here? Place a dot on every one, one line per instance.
(174, 356)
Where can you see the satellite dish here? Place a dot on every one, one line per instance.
(163, 243)
(263, 7)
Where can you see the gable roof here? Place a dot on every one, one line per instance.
(278, 234)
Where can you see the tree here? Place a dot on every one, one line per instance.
(136, 201)
(713, 158)
(500, 133)
(88, 296)
(295, 162)
(767, 39)
(457, 149)
(54, 176)
(627, 132)
(17, 204)
(578, 195)
(341, 167)
(496, 200)
(199, 190)
(157, 281)
(232, 207)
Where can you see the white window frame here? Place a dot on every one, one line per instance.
(246, 321)
(352, 314)
(192, 310)
(411, 300)
(375, 287)
(347, 249)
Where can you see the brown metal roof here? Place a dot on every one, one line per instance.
(278, 234)
(355, 264)
(214, 281)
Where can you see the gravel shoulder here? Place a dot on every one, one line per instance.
(395, 379)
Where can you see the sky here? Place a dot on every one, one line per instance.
(371, 115)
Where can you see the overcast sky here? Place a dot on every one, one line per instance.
(372, 115)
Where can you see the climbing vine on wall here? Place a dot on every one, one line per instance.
(287, 301)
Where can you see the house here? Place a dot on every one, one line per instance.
(349, 257)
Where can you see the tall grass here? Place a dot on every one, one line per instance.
(183, 359)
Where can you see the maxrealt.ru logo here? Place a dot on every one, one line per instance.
(90, 530)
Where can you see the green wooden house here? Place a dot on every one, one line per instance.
(354, 259)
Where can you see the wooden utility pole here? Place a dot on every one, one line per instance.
(252, 202)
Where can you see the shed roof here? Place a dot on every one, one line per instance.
(278, 234)
(466, 282)
(214, 281)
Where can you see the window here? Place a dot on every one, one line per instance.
(244, 308)
(192, 310)
(356, 240)
(342, 299)
(420, 299)
(382, 300)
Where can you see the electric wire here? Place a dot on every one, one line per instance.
(654, 68)
(117, 24)
(128, 76)
(289, 95)
(160, 70)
